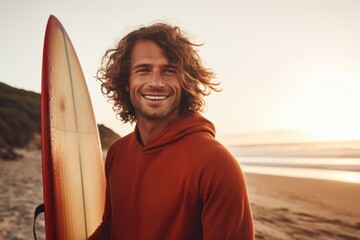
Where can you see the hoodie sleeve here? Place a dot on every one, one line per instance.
(226, 209)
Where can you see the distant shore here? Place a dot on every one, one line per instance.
(283, 207)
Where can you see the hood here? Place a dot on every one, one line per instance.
(178, 128)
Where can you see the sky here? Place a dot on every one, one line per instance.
(284, 65)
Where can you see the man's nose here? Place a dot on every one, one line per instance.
(156, 80)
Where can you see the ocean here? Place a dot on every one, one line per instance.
(337, 169)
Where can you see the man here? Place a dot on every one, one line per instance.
(170, 178)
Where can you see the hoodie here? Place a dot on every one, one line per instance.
(183, 185)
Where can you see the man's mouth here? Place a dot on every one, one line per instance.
(155, 97)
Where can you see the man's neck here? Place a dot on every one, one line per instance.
(149, 129)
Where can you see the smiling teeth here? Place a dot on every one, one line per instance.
(155, 97)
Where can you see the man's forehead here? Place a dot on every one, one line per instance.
(146, 52)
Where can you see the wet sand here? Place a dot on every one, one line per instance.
(283, 207)
(300, 208)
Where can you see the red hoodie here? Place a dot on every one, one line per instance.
(184, 185)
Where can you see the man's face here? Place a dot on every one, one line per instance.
(154, 86)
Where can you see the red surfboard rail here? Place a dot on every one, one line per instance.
(72, 164)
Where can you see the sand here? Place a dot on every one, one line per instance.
(283, 207)
(298, 208)
(21, 192)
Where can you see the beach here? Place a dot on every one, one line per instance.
(301, 208)
(21, 192)
(283, 207)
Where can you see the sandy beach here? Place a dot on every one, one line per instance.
(299, 208)
(21, 192)
(283, 207)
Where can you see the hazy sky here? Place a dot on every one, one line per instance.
(283, 65)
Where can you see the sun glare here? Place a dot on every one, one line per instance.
(337, 133)
(352, 177)
(326, 105)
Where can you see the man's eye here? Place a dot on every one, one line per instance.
(170, 71)
(143, 71)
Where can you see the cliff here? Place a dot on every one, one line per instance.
(20, 122)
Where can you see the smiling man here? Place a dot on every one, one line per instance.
(155, 89)
(170, 178)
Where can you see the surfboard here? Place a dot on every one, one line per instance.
(72, 163)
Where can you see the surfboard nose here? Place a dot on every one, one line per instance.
(52, 23)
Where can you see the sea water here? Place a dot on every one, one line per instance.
(338, 169)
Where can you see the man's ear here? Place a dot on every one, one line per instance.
(127, 87)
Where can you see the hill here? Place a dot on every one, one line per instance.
(20, 122)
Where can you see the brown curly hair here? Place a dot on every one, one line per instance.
(196, 80)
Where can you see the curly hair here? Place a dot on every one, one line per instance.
(196, 80)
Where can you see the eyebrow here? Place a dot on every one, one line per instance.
(141, 66)
(145, 65)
